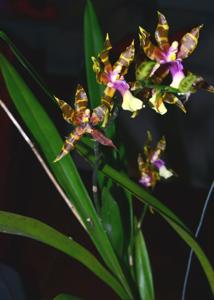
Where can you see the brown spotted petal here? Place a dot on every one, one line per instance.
(99, 114)
(160, 74)
(97, 69)
(151, 51)
(172, 99)
(189, 42)
(200, 83)
(81, 100)
(101, 138)
(67, 111)
(147, 145)
(104, 55)
(161, 33)
(126, 57)
(161, 145)
(157, 103)
(71, 141)
(101, 76)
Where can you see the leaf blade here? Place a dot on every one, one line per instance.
(112, 221)
(16, 224)
(93, 44)
(65, 297)
(65, 171)
(159, 207)
(143, 268)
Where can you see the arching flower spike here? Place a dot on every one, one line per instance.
(170, 56)
(81, 118)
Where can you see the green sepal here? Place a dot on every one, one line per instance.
(144, 70)
(186, 84)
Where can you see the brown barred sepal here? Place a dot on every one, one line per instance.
(151, 51)
(189, 42)
(81, 99)
(70, 142)
(125, 59)
(200, 83)
(158, 99)
(99, 114)
(161, 33)
(101, 138)
(67, 111)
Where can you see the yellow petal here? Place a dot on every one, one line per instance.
(96, 65)
(158, 104)
(165, 173)
(131, 103)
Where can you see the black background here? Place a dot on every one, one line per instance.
(50, 35)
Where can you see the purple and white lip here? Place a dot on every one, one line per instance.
(130, 102)
(174, 63)
(146, 180)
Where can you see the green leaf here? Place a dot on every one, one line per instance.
(50, 143)
(65, 297)
(24, 62)
(111, 218)
(143, 268)
(93, 44)
(11, 223)
(159, 207)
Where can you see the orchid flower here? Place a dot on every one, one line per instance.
(152, 168)
(168, 55)
(113, 77)
(83, 121)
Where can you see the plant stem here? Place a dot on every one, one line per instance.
(41, 161)
(196, 235)
(95, 177)
(145, 209)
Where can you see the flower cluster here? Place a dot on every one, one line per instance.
(167, 58)
(83, 120)
(163, 60)
(152, 168)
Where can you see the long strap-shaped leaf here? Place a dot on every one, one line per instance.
(20, 225)
(165, 212)
(24, 62)
(65, 297)
(93, 44)
(49, 141)
(142, 267)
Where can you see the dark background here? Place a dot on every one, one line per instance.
(50, 35)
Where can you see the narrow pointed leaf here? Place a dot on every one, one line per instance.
(143, 268)
(24, 62)
(11, 223)
(93, 44)
(66, 297)
(111, 218)
(50, 143)
(160, 208)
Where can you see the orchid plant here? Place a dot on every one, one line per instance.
(124, 262)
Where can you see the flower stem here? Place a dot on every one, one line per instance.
(41, 161)
(142, 216)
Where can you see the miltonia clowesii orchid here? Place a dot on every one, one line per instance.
(170, 56)
(152, 168)
(82, 120)
(113, 77)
